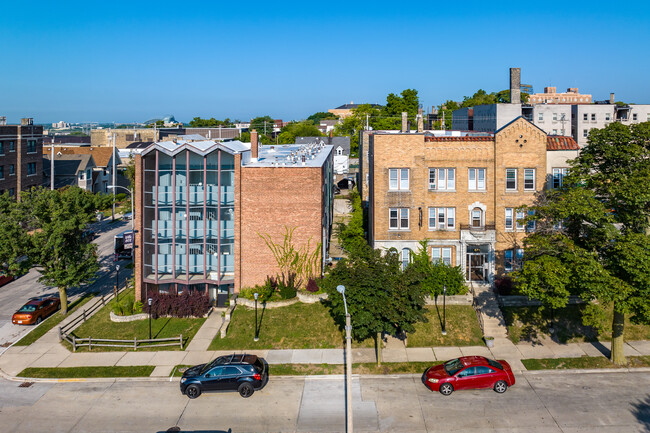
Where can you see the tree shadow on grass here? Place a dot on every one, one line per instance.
(259, 322)
(163, 327)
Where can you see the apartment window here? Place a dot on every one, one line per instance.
(406, 257)
(511, 179)
(513, 259)
(398, 179)
(477, 217)
(2, 148)
(562, 132)
(442, 218)
(12, 170)
(11, 192)
(607, 117)
(554, 117)
(476, 179)
(634, 117)
(529, 179)
(441, 255)
(540, 117)
(585, 117)
(648, 117)
(530, 225)
(509, 218)
(442, 179)
(2, 171)
(521, 215)
(593, 117)
(31, 169)
(12, 146)
(398, 219)
(558, 177)
(585, 133)
(554, 132)
(31, 146)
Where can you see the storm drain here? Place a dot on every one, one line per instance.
(25, 384)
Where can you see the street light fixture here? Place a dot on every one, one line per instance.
(256, 332)
(348, 360)
(149, 301)
(444, 310)
(117, 280)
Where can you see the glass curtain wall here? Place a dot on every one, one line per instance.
(227, 205)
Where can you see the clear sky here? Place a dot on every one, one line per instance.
(130, 61)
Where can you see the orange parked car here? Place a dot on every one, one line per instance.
(37, 309)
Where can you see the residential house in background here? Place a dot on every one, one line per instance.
(102, 172)
(341, 149)
(202, 208)
(462, 194)
(21, 162)
(559, 151)
(69, 170)
(345, 110)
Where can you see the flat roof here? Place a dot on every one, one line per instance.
(291, 155)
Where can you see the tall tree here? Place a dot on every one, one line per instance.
(592, 237)
(292, 130)
(362, 116)
(14, 241)
(321, 115)
(263, 125)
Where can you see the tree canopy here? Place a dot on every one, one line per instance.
(321, 115)
(592, 235)
(292, 130)
(198, 122)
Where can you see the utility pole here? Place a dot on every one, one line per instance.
(367, 122)
(113, 215)
(52, 167)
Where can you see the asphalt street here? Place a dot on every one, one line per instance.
(14, 294)
(565, 402)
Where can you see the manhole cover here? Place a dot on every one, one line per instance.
(25, 384)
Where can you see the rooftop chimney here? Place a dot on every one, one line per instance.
(420, 120)
(404, 121)
(611, 98)
(26, 121)
(254, 150)
(515, 85)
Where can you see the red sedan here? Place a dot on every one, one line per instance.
(36, 310)
(469, 372)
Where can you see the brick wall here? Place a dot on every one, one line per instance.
(271, 198)
(138, 204)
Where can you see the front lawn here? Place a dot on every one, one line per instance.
(461, 325)
(83, 372)
(532, 324)
(296, 326)
(101, 326)
(582, 362)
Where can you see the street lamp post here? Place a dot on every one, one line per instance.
(149, 301)
(117, 280)
(348, 360)
(256, 333)
(444, 310)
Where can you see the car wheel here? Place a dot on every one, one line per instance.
(501, 386)
(446, 389)
(39, 320)
(193, 391)
(245, 390)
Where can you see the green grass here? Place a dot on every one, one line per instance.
(296, 326)
(461, 325)
(582, 362)
(323, 369)
(53, 321)
(532, 324)
(101, 326)
(83, 372)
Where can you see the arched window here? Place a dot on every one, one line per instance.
(406, 257)
(477, 217)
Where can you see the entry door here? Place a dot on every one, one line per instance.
(476, 267)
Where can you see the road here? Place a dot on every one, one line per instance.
(14, 294)
(539, 403)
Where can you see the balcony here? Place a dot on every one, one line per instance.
(480, 229)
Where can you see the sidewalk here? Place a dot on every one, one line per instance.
(48, 352)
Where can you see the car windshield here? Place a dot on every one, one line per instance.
(454, 366)
(495, 364)
(27, 309)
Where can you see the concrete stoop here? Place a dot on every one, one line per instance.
(494, 324)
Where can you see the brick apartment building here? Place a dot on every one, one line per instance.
(21, 156)
(461, 193)
(202, 206)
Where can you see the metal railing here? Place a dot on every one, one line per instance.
(481, 228)
(477, 307)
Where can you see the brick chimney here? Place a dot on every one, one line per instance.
(515, 85)
(611, 98)
(404, 121)
(254, 142)
(420, 120)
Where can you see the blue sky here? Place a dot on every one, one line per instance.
(132, 61)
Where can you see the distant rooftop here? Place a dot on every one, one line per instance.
(351, 106)
(292, 155)
(560, 142)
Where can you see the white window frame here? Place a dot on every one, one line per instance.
(520, 215)
(510, 218)
(405, 257)
(540, 117)
(509, 170)
(554, 117)
(476, 211)
(554, 132)
(398, 216)
(558, 177)
(476, 184)
(585, 117)
(398, 179)
(593, 117)
(441, 254)
(508, 259)
(527, 173)
(443, 218)
(444, 179)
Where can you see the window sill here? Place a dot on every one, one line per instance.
(477, 190)
(399, 230)
(442, 190)
(512, 190)
(399, 190)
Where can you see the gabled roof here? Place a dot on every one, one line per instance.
(200, 147)
(68, 165)
(101, 155)
(514, 120)
(560, 142)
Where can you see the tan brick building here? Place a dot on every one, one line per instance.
(202, 206)
(462, 194)
(123, 137)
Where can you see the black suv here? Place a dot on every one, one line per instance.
(238, 372)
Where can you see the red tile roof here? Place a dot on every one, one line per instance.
(559, 142)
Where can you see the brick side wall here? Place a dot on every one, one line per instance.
(272, 198)
(138, 204)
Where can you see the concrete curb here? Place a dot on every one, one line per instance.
(587, 370)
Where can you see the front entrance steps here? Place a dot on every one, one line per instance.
(492, 319)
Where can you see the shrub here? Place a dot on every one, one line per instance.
(187, 304)
(312, 286)
(137, 307)
(287, 290)
(504, 286)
